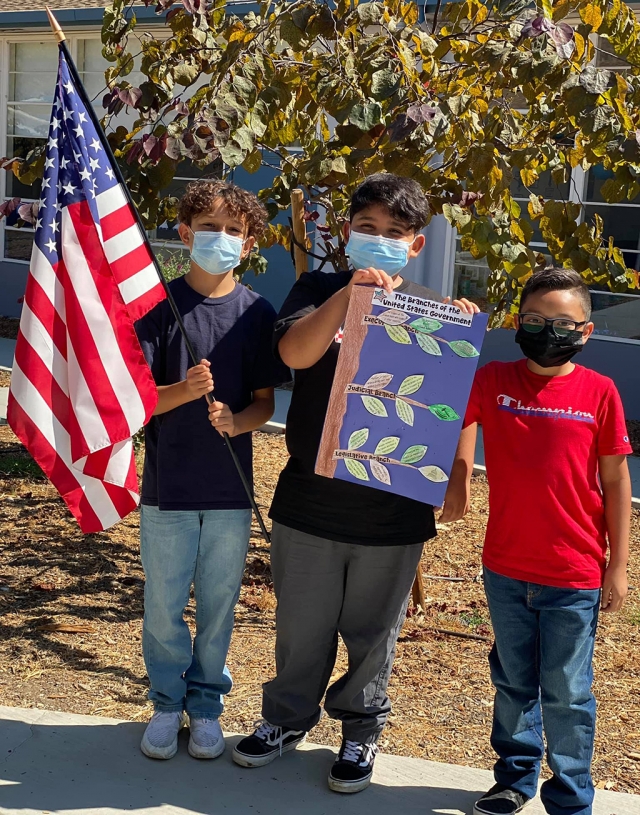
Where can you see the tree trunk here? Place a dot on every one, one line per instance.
(355, 332)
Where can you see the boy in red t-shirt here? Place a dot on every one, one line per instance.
(555, 448)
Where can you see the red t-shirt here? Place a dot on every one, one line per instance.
(542, 439)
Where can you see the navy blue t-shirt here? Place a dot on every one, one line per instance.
(187, 465)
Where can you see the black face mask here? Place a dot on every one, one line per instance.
(547, 350)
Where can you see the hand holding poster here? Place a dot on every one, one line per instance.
(400, 393)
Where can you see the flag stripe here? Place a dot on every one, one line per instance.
(116, 222)
(139, 284)
(128, 241)
(50, 430)
(92, 293)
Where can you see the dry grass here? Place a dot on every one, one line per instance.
(52, 577)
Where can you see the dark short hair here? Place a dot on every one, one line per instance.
(201, 195)
(404, 198)
(558, 279)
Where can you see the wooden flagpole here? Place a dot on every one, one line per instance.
(60, 37)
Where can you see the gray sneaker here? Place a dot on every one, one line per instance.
(160, 739)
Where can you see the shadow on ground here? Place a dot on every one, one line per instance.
(48, 767)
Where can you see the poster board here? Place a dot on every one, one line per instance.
(399, 394)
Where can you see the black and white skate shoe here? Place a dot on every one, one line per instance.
(500, 800)
(265, 744)
(353, 769)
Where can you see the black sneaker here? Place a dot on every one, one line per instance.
(266, 743)
(500, 800)
(353, 768)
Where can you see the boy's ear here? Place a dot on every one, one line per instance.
(249, 243)
(587, 331)
(346, 230)
(516, 321)
(186, 235)
(417, 246)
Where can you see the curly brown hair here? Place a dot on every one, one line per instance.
(241, 204)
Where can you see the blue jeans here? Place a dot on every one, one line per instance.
(541, 667)
(207, 549)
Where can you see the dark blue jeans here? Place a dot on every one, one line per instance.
(541, 667)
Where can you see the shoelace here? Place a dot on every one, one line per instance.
(358, 753)
(267, 731)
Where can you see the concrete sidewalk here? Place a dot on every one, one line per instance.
(57, 762)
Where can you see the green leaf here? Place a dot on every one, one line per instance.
(185, 73)
(374, 406)
(411, 384)
(429, 345)
(414, 453)
(365, 115)
(253, 161)
(370, 13)
(405, 412)
(426, 325)
(380, 472)
(380, 380)
(444, 412)
(433, 473)
(356, 468)
(393, 317)
(463, 348)
(387, 445)
(384, 83)
(358, 438)
(399, 334)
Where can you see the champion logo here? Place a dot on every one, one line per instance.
(625, 439)
(339, 335)
(513, 405)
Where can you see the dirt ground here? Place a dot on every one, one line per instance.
(71, 616)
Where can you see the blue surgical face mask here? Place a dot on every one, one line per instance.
(386, 254)
(216, 252)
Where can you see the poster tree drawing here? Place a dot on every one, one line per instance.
(400, 393)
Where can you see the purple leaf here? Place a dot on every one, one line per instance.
(129, 96)
(7, 207)
(154, 147)
(401, 128)
(536, 27)
(135, 152)
(172, 150)
(561, 34)
(421, 113)
(163, 5)
(28, 213)
(194, 6)
(638, 136)
(468, 198)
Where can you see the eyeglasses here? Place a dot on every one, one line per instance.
(534, 324)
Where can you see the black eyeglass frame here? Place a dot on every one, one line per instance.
(552, 323)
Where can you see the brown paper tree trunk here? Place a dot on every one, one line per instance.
(355, 332)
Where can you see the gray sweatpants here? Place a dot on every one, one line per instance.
(325, 588)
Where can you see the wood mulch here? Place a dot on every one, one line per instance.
(71, 616)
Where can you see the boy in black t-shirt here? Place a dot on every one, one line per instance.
(195, 515)
(343, 556)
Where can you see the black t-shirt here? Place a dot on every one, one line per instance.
(327, 507)
(186, 465)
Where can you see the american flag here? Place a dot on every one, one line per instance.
(80, 386)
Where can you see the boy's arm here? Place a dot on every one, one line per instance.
(308, 339)
(616, 488)
(251, 418)
(198, 383)
(456, 500)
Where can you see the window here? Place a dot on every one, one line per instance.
(31, 79)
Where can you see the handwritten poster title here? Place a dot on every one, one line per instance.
(424, 308)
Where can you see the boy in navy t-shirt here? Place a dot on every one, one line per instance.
(195, 516)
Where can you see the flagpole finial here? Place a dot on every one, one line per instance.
(55, 26)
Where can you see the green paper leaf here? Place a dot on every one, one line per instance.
(393, 317)
(374, 406)
(426, 325)
(444, 412)
(356, 468)
(358, 438)
(387, 445)
(414, 453)
(380, 472)
(400, 334)
(380, 380)
(411, 384)
(429, 345)
(463, 348)
(433, 473)
(405, 412)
